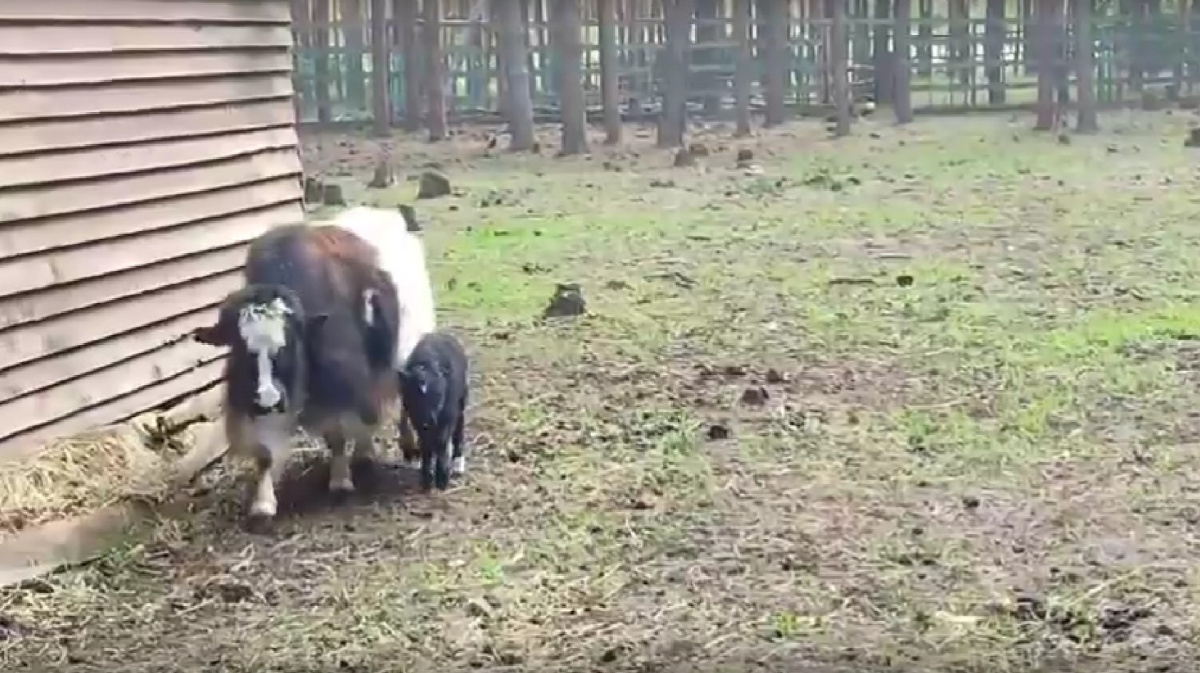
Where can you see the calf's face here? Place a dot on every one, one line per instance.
(424, 394)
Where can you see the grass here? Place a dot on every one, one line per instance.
(918, 399)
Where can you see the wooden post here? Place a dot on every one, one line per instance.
(608, 72)
(381, 78)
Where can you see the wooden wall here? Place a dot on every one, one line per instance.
(142, 144)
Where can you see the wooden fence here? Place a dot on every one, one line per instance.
(963, 55)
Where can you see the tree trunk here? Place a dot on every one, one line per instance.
(1046, 47)
(774, 25)
(744, 72)
(320, 43)
(993, 50)
(411, 44)
(925, 38)
(902, 66)
(881, 57)
(435, 82)
(959, 44)
(707, 35)
(519, 106)
(861, 43)
(568, 52)
(608, 71)
(1084, 67)
(841, 83)
(302, 30)
(381, 108)
(352, 30)
(527, 41)
(1028, 43)
(673, 121)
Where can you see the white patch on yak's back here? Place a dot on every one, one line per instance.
(263, 328)
(369, 307)
(402, 257)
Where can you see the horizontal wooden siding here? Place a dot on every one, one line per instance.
(143, 143)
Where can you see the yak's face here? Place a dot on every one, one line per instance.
(266, 334)
(272, 345)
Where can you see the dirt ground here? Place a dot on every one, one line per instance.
(920, 399)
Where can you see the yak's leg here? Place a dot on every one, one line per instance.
(271, 440)
(340, 480)
(410, 450)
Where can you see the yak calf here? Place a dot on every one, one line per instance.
(434, 393)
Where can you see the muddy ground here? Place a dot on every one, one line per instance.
(920, 399)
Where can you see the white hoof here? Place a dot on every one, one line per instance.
(263, 508)
(459, 466)
(344, 485)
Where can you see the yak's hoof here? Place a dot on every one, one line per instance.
(259, 523)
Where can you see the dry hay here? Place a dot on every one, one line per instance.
(96, 469)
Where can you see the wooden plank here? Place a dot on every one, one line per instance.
(42, 549)
(124, 67)
(30, 411)
(24, 105)
(30, 443)
(72, 198)
(27, 380)
(225, 11)
(25, 237)
(25, 274)
(37, 39)
(45, 548)
(57, 134)
(30, 342)
(46, 169)
(27, 308)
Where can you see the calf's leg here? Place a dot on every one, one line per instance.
(459, 465)
(340, 480)
(442, 459)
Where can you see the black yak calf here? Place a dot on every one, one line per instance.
(434, 394)
(312, 339)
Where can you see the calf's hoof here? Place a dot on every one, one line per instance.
(441, 478)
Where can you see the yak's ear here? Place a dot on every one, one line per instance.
(212, 335)
(315, 322)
